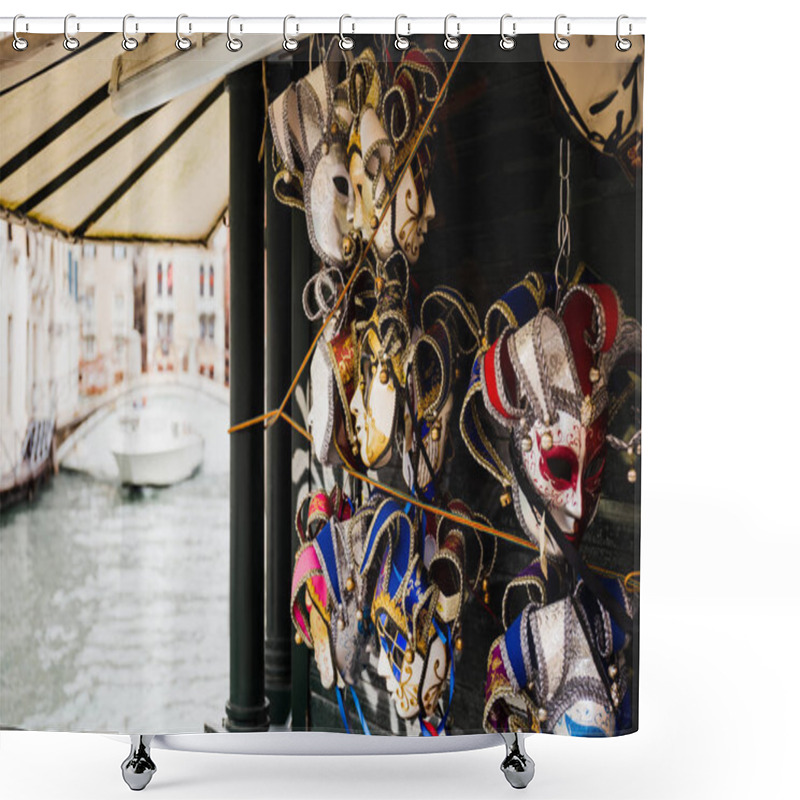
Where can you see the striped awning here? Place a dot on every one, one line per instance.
(69, 162)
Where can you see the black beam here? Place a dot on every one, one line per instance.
(280, 512)
(247, 709)
(302, 257)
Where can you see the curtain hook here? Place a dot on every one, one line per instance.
(233, 44)
(181, 42)
(451, 42)
(128, 42)
(289, 43)
(507, 42)
(560, 43)
(623, 44)
(18, 44)
(401, 42)
(345, 42)
(70, 42)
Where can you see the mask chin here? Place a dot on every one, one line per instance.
(553, 460)
(323, 652)
(379, 425)
(434, 676)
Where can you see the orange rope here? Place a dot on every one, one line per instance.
(272, 416)
(253, 421)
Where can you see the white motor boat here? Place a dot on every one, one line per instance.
(155, 451)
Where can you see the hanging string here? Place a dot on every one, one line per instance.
(271, 416)
(563, 232)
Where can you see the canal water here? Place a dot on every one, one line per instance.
(113, 600)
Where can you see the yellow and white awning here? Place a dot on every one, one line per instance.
(69, 162)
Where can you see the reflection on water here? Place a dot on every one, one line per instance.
(114, 605)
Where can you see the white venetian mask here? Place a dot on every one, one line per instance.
(329, 203)
(564, 464)
(374, 403)
(403, 678)
(405, 224)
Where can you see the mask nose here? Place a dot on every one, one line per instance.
(385, 671)
(357, 402)
(429, 212)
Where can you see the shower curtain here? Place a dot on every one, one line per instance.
(443, 461)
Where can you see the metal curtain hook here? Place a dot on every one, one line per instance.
(128, 42)
(507, 42)
(560, 43)
(623, 44)
(233, 44)
(401, 42)
(451, 42)
(181, 42)
(70, 42)
(18, 44)
(345, 42)
(289, 43)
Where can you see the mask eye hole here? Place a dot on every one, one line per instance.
(341, 185)
(560, 468)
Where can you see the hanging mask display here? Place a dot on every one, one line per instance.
(604, 103)
(379, 288)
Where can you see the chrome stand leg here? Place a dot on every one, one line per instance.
(518, 766)
(138, 768)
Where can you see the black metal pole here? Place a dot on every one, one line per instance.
(280, 511)
(247, 709)
(301, 338)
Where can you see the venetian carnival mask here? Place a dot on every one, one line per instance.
(382, 137)
(413, 656)
(452, 331)
(310, 133)
(328, 593)
(330, 421)
(383, 353)
(560, 434)
(535, 688)
(547, 383)
(408, 681)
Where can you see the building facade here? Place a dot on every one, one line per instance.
(186, 309)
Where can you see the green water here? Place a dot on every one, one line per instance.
(114, 606)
